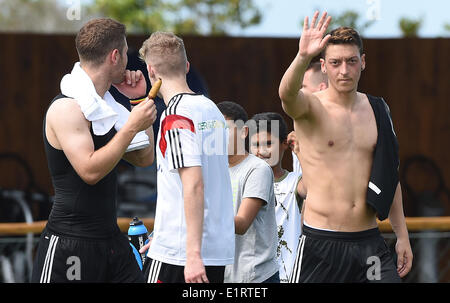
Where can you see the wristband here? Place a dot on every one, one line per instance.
(137, 101)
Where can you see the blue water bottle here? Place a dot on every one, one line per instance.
(137, 235)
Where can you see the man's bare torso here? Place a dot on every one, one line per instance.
(336, 147)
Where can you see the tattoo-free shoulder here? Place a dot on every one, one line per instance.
(65, 109)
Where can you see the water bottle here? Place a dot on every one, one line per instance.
(137, 235)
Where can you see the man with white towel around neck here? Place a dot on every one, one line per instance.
(84, 139)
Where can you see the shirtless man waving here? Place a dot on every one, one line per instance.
(338, 131)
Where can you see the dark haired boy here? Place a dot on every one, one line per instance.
(268, 141)
(254, 206)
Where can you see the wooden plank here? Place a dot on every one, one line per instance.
(414, 224)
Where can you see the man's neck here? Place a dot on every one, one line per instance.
(172, 87)
(234, 160)
(345, 99)
(98, 78)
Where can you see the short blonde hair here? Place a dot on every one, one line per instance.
(166, 53)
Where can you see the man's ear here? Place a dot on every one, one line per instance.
(188, 66)
(322, 66)
(244, 132)
(114, 56)
(151, 73)
(363, 61)
(322, 86)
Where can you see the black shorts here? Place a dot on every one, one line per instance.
(68, 259)
(159, 272)
(349, 257)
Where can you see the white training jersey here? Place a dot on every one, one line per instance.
(289, 223)
(193, 133)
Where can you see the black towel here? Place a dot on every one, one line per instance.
(384, 175)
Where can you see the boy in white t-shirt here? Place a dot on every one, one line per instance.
(194, 228)
(268, 141)
(254, 206)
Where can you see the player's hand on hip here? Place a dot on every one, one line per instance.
(133, 85)
(312, 40)
(194, 271)
(404, 257)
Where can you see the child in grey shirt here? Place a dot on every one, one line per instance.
(254, 206)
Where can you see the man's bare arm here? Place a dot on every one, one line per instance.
(71, 133)
(296, 103)
(193, 195)
(398, 223)
(143, 157)
(247, 212)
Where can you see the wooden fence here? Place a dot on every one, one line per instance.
(411, 74)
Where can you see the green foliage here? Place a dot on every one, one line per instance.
(137, 15)
(447, 27)
(212, 17)
(350, 18)
(410, 27)
(36, 16)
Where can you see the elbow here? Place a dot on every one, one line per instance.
(285, 95)
(198, 189)
(145, 162)
(240, 231)
(89, 176)
(90, 179)
(282, 94)
(240, 226)
(195, 189)
(148, 159)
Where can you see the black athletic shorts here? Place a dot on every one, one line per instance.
(348, 257)
(68, 259)
(159, 272)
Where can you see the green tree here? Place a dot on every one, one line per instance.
(350, 18)
(447, 27)
(209, 17)
(46, 16)
(410, 27)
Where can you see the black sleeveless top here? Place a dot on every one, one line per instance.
(80, 209)
(384, 174)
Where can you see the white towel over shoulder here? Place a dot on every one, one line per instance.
(104, 113)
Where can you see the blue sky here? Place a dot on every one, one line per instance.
(282, 18)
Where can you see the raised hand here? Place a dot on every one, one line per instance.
(312, 41)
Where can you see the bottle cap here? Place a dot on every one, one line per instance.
(136, 222)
